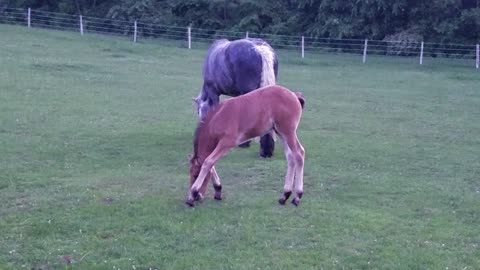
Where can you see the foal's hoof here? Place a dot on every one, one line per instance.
(198, 197)
(218, 192)
(285, 197)
(296, 201)
(190, 203)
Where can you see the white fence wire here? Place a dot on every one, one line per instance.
(137, 30)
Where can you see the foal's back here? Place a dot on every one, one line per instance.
(257, 112)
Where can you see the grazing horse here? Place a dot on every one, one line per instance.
(234, 68)
(271, 108)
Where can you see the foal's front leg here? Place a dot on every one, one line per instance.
(207, 166)
(216, 184)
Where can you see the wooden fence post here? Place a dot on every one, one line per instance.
(421, 53)
(81, 25)
(135, 31)
(303, 47)
(365, 51)
(477, 63)
(189, 33)
(28, 18)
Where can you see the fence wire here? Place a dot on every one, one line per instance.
(146, 30)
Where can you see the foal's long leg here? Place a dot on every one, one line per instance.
(217, 185)
(202, 190)
(207, 165)
(299, 158)
(288, 186)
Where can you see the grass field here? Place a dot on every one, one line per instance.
(94, 138)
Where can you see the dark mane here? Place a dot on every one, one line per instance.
(200, 126)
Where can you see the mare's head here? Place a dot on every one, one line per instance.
(202, 106)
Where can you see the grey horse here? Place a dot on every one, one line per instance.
(234, 68)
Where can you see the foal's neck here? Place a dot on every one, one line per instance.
(203, 142)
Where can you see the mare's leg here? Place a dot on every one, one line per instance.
(267, 145)
(245, 144)
(217, 185)
(299, 158)
(288, 186)
(207, 165)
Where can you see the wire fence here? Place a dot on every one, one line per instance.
(190, 36)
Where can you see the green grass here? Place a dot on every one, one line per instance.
(94, 138)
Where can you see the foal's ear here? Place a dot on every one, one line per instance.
(195, 100)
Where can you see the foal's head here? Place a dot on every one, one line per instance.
(195, 168)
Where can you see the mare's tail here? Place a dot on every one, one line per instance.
(268, 58)
(267, 142)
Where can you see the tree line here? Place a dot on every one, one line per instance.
(448, 21)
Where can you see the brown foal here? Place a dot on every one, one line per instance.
(240, 119)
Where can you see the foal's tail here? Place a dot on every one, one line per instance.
(301, 98)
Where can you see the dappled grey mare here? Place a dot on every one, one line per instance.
(235, 68)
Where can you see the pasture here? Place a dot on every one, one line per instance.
(94, 137)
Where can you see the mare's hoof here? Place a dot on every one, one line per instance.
(217, 197)
(266, 155)
(282, 201)
(244, 145)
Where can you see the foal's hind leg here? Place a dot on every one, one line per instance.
(299, 158)
(287, 188)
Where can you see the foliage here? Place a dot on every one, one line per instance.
(435, 21)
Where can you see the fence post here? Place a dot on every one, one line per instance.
(303, 47)
(135, 31)
(421, 53)
(81, 25)
(477, 63)
(246, 35)
(28, 17)
(189, 33)
(365, 51)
